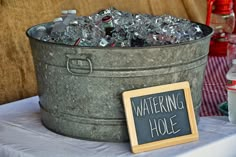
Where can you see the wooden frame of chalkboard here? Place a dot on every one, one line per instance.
(160, 116)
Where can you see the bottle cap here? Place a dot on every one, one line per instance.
(106, 19)
(234, 61)
(42, 28)
(72, 11)
(74, 23)
(223, 7)
(59, 19)
(64, 12)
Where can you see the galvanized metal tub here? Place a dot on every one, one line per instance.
(80, 87)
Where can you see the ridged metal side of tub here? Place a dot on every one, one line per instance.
(80, 88)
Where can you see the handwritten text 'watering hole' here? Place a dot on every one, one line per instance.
(169, 103)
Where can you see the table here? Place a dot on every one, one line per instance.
(23, 135)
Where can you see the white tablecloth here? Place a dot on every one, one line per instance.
(23, 135)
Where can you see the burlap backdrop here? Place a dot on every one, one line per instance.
(17, 77)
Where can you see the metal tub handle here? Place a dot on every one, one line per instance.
(86, 59)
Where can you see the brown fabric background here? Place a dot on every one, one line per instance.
(17, 78)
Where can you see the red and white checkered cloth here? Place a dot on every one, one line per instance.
(214, 86)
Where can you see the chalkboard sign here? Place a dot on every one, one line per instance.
(160, 116)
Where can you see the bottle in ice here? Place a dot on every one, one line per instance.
(71, 16)
(41, 33)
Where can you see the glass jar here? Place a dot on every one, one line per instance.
(222, 20)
